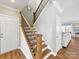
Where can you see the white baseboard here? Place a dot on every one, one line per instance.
(47, 55)
(24, 53)
(52, 52)
(50, 49)
(8, 51)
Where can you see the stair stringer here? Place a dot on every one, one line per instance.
(24, 46)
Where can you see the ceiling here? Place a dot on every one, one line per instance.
(18, 4)
(70, 7)
(70, 10)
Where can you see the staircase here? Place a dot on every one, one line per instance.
(37, 46)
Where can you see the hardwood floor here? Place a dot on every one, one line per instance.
(71, 52)
(16, 54)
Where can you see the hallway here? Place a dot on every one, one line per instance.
(72, 52)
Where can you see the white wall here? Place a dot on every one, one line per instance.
(58, 33)
(24, 47)
(28, 15)
(9, 27)
(46, 25)
(33, 5)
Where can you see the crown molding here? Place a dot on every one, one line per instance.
(9, 8)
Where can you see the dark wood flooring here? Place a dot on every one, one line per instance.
(71, 52)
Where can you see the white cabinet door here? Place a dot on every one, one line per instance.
(9, 38)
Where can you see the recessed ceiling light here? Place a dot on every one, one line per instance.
(28, 8)
(12, 1)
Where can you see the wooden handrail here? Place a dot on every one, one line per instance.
(35, 13)
(39, 6)
(39, 46)
(34, 17)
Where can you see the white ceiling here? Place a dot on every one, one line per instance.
(70, 10)
(19, 4)
(70, 7)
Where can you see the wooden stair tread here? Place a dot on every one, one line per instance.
(47, 51)
(29, 28)
(31, 37)
(30, 31)
(51, 57)
(32, 44)
(44, 45)
(30, 34)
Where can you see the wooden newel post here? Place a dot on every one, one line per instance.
(39, 46)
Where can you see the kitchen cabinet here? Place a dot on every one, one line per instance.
(66, 37)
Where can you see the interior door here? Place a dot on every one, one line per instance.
(2, 39)
(9, 35)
